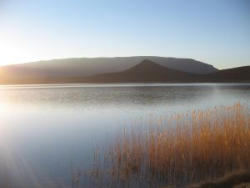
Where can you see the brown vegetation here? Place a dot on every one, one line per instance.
(193, 147)
(237, 179)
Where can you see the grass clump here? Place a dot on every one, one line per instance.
(192, 147)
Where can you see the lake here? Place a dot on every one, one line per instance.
(48, 132)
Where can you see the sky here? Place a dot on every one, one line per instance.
(213, 31)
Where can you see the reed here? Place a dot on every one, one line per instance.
(191, 147)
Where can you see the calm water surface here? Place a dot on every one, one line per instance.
(49, 131)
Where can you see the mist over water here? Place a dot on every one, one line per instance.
(48, 131)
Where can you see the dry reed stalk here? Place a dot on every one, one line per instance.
(200, 145)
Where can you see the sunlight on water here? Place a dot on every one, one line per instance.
(49, 130)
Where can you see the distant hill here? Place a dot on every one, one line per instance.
(146, 71)
(149, 72)
(77, 71)
(93, 66)
(239, 74)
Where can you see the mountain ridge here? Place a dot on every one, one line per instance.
(93, 66)
(146, 71)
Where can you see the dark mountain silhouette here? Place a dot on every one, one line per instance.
(239, 74)
(92, 66)
(146, 71)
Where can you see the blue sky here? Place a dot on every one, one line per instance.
(213, 31)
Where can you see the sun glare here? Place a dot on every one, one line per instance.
(13, 50)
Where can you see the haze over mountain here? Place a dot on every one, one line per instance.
(146, 71)
(91, 66)
(151, 72)
(119, 69)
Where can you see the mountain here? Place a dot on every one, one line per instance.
(146, 71)
(151, 72)
(92, 66)
(65, 71)
(239, 74)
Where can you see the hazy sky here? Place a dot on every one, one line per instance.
(214, 31)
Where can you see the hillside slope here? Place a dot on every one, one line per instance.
(92, 66)
(146, 71)
(239, 74)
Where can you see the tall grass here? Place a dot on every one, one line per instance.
(199, 145)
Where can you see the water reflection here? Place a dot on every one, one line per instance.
(99, 96)
(47, 130)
